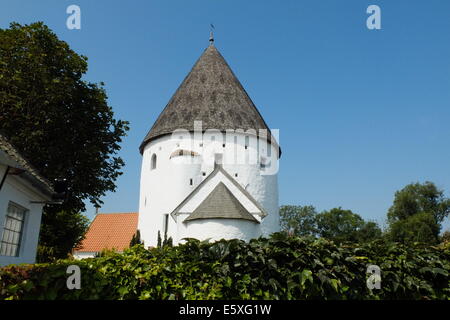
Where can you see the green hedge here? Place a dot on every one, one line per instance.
(274, 268)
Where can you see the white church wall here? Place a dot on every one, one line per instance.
(165, 187)
(198, 198)
(162, 188)
(263, 188)
(217, 229)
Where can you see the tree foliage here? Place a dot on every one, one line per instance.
(369, 231)
(336, 224)
(276, 268)
(339, 225)
(136, 239)
(417, 213)
(61, 122)
(298, 220)
(421, 227)
(445, 236)
(419, 198)
(62, 230)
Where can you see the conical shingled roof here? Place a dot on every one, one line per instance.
(210, 93)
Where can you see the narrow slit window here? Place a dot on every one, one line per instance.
(153, 162)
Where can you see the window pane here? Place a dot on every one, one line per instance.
(10, 237)
(18, 227)
(8, 223)
(12, 231)
(13, 224)
(16, 238)
(12, 212)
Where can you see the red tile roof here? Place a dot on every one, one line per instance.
(110, 231)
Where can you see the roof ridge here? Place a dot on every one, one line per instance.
(207, 209)
(218, 168)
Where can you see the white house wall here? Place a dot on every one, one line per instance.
(20, 192)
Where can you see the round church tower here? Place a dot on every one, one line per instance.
(210, 162)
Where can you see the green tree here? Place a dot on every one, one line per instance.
(418, 198)
(159, 240)
(342, 225)
(61, 122)
(64, 228)
(421, 227)
(417, 213)
(337, 224)
(368, 231)
(445, 236)
(136, 239)
(298, 220)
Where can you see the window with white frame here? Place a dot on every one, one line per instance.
(12, 230)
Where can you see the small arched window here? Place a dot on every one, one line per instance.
(153, 162)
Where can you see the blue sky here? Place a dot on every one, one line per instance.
(361, 112)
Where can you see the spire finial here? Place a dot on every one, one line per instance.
(211, 35)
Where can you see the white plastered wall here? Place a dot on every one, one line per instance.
(165, 187)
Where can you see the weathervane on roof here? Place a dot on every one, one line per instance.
(211, 34)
